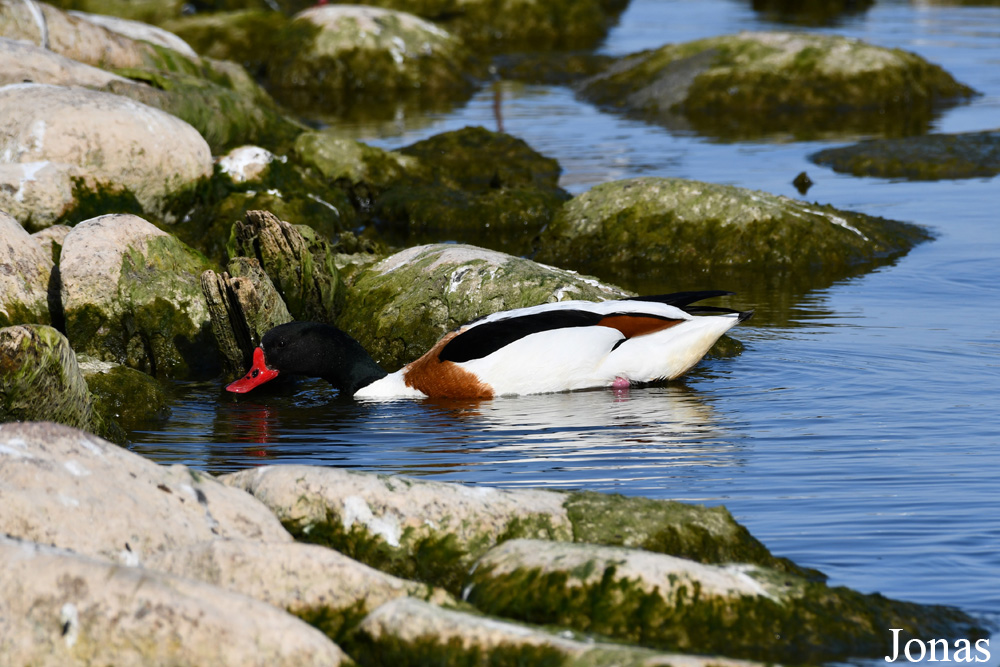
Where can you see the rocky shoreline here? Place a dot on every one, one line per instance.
(161, 208)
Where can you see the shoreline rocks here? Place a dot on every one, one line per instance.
(150, 564)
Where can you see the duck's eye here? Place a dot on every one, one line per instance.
(281, 343)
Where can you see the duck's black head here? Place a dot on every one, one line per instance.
(312, 349)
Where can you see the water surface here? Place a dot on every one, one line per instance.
(858, 434)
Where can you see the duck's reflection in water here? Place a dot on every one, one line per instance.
(595, 439)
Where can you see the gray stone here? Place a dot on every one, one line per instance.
(25, 271)
(63, 608)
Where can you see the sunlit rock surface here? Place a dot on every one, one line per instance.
(25, 273)
(60, 607)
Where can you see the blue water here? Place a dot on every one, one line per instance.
(860, 437)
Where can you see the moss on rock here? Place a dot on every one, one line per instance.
(654, 225)
(758, 83)
(399, 307)
(744, 612)
(699, 533)
(927, 158)
(129, 397)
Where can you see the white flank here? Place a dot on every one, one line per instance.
(391, 386)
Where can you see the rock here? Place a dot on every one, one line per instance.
(244, 305)
(51, 240)
(798, 84)
(402, 305)
(413, 529)
(246, 163)
(365, 169)
(75, 491)
(129, 397)
(25, 271)
(652, 226)
(433, 532)
(369, 54)
(38, 194)
(298, 260)
(812, 13)
(40, 379)
(511, 25)
(132, 294)
(477, 186)
(116, 143)
(64, 608)
(22, 62)
(139, 31)
(410, 632)
(318, 584)
(219, 99)
(927, 158)
(675, 604)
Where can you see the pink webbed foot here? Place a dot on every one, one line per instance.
(621, 383)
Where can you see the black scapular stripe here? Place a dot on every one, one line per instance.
(484, 339)
(487, 338)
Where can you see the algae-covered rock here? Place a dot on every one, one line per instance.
(812, 13)
(132, 294)
(402, 305)
(803, 84)
(365, 169)
(127, 396)
(516, 24)
(298, 261)
(25, 271)
(407, 632)
(427, 531)
(653, 226)
(675, 604)
(40, 379)
(699, 533)
(326, 588)
(63, 608)
(370, 54)
(244, 305)
(927, 158)
(113, 142)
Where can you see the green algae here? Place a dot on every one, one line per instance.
(698, 533)
(814, 624)
(753, 84)
(335, 623)
(128, 396)
(156, 320)
(453, 652)
(655, 226)
(932, 157)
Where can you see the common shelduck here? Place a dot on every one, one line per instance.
(548, 348)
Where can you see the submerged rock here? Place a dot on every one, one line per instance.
(664, 226)
(927, 158)
(129, 397)
(801, 84)
(60, 607)
(402, 305)
(675, 604)
(113, 143)
(132, 294)
(25, 273)
(410, 632)
(813, 13)
(475, 186)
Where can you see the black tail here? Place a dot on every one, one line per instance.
(683, 300)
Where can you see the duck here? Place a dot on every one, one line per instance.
(553, 347)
